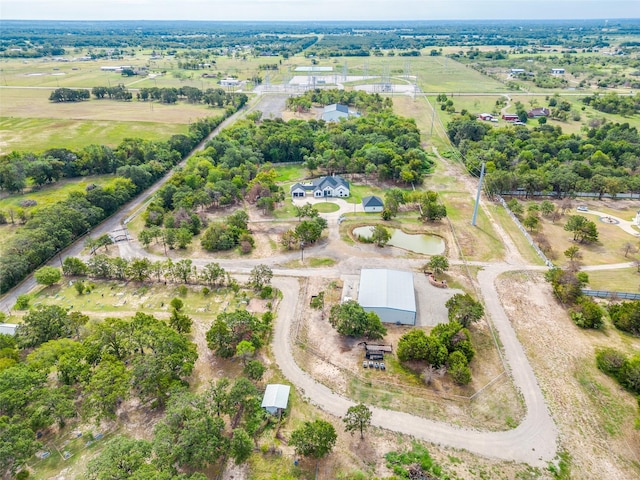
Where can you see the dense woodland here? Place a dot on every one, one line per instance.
(235, 165)
(63, 366)
(136, 163)
(606, 159)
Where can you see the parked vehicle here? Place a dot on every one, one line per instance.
(582, 208)
(377, 365)
(382, 366)
(370, 364)
(365, 364)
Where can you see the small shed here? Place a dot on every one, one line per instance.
(276, 398)
(372, 204)
(557, 71)
(8, 328)
(485, 116)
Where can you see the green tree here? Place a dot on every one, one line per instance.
(17, 445)
(180, 322)
(108, 385)
(531, 222)
(241, 446)
(438, 264)
(349, 318)
(586, 313)
(260, 276)
(244, 350)
(380, 235)
(254, 370)
(582, 229)
(358, 418)
(120, 459)
(43, 323)
(464, 309)
(188, 436)
(626, 316)
(73, 266)
(314, 439)
(48, 276)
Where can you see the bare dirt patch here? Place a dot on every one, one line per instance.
(594, 415)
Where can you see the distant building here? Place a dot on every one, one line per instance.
(516, 71)
(389, 294)
(8, 328)
(229, 82)
(510, 117)
(276, 398)
(538, 112)
(557, 71)
(334, 112)
(372, 204)
(485, 116)
(331, 186)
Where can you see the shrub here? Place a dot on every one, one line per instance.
(610, 361)
(22, 302)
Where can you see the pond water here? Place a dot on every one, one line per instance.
(427, 244)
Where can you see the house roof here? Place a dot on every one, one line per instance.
(333, 181)
(540, 111)
(336, 107)
(8, 328)
(276, 396)
(384, 288)
(372, 201)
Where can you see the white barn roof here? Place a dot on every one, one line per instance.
(384, 288)
(8, 328)
(276, 396)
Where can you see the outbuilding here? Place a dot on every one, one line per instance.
(372, 204)
(389, 294)
(557, 71)
(8, 328)
(276, 398)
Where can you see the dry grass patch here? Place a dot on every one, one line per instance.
(594, 415)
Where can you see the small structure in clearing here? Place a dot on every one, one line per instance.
(8, 328)
(276, 398)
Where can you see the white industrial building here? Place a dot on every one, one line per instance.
(389, 294)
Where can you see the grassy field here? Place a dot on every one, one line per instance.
(29, 121)
(524, 247)
(620, 280)
(52, 193)
(38, 134)
(608, 248)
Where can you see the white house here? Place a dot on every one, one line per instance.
(330, 186)
(557, 71)
(276, 398)
(372, 204)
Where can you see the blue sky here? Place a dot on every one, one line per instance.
(316, 9)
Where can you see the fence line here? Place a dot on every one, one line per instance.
(540, 253)
(608, 294)
(520, 193)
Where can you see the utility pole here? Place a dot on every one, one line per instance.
(475, 209)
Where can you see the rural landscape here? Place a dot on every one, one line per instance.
(331, 250)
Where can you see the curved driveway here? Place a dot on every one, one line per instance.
(534, 441)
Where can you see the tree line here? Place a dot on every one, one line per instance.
(51, 228)
(605, 159)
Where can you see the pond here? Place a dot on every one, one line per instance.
(418, 243)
